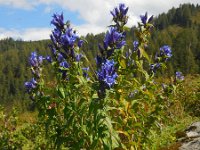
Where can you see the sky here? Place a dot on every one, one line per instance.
(30, 19)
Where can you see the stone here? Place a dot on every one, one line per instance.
(192, 138)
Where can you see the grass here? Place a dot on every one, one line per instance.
(167, 138)
(184, 111)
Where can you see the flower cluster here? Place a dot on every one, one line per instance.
(36, 69)
(36, 63)
(115, 37)
(65, 41)
(63, 36)
(165, 52)
(30, 85)
(119, 14)
(107, 73)
(113, 40)
(164, 55)
(58, 21)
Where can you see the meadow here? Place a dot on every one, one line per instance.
(125, 102)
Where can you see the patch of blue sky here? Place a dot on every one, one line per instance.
(38, 17)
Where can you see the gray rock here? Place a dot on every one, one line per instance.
(194, 127)
(192, 137)
(191, 145)
(192, 134)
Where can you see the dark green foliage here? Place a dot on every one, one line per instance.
(13, 67)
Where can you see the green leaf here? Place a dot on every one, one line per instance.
(143, 53)
(122, 62)
(61, 92)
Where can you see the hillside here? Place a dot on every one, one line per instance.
(179, 28)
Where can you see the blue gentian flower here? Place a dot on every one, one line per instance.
(63, 37)
(80, 43)
(78, 57)
(114, 38)
(145, 20)
(107, 73)
(119, 14)
(115, 12)
(35, 60)
(30, 85)
(179, 76)
(60, 57)
(36, 63)
(68, 40)
(85, 73)
(135, 45)
(166, 51)
(99, 61)
(56, 36)
(58, 21)
(155, 67)
(49, 59)
(120, 44)
(53, 50)
(123, 9)
(64, 64)
(40, 60)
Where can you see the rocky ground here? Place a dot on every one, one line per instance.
(188, 139)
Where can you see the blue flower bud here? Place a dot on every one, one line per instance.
(60, 57)
(80, 43)
(78, 57)
(145, 17)
(155, 67)
(85, 73)
(135, 45)
(49, 59)
(179, 76)
(58, 21)
(64, 64)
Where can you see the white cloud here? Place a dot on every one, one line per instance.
(95, 13)
(23, 4)
(48, 9)
(89, 28)
(27, 34)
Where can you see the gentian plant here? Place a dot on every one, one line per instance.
(115, 107)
